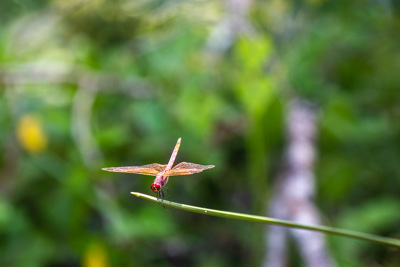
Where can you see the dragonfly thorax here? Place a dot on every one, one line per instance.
(155, 187)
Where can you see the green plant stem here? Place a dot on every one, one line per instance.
(246, 217)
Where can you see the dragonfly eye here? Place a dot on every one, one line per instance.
(155, 187)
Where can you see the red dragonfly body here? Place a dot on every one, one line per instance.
(163, 172)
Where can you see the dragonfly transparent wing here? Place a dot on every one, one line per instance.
(149, 169)
(187, 168)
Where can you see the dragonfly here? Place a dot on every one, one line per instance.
(163, 172)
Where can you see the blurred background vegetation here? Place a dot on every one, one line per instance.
(92, 84)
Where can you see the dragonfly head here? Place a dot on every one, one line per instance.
(155, 187)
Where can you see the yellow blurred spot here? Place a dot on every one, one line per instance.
(95, 256)
(30, 133)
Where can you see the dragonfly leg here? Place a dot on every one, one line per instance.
(158, 197)
(162, 193)
(167, 192)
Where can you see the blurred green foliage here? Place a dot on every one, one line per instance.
(92, 84)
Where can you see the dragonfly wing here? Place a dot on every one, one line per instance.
(187, 168)
(149, 169)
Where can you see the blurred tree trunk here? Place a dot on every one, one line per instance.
(292, 197)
